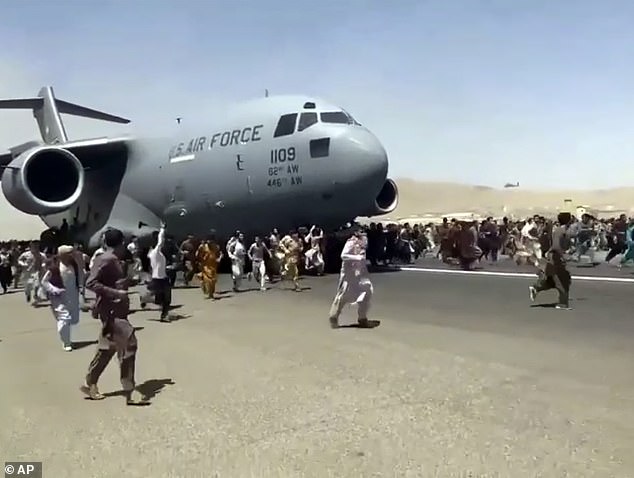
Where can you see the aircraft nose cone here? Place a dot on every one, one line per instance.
(367, 156)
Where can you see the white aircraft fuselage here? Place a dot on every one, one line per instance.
(276, 162)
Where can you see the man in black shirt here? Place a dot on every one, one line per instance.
(584, 234)
(618, 238)
(554, 274)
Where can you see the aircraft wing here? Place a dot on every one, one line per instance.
(88, 151)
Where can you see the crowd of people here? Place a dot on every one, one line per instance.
(61, 277)
(308, 251)
(465, 242)
(60, 274)
(452, 240)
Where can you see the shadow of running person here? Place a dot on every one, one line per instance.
(148, 390)
(172, 318)
(371, 324)
(80, 344)
(151, 388)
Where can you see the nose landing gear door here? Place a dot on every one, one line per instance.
(244, 170)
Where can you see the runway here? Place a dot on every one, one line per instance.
(462, 376)
(505, 267)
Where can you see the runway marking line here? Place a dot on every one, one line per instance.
(513, 274)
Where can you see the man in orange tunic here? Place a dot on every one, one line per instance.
(208, 256)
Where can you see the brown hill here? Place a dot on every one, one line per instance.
(419, 198)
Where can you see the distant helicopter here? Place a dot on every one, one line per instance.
(511, 185)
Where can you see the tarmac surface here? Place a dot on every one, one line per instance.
(582, 267)
(463, 377)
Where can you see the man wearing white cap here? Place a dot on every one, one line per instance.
(62, 281)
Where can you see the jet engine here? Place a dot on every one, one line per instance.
(387, 199)
(43, 180)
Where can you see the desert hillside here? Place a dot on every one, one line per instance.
(419, 198)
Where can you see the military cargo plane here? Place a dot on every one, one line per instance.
(280, 162)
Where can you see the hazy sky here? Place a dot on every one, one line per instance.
(485, 92)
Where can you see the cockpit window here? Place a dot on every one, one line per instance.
(354, 121)
(339, 117)
(286, 125)
(306, 120)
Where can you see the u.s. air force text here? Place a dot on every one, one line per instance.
(221, 139)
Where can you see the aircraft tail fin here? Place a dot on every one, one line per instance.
(46, 110)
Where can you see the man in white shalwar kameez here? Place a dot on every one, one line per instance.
(237, 253)
(530, 240)
(314, 258)
(31, 263)
(256, 254)
(62, 281)
(354, 286)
